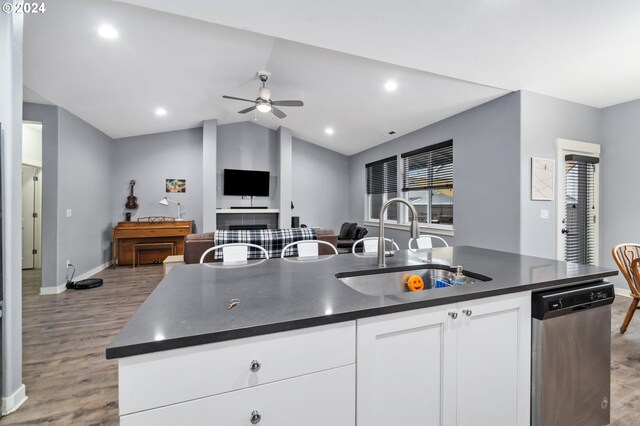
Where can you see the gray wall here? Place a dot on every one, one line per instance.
(486, 153)
(11, 119)
(48, 116)
(247, 146)
(544, 119)
(150, 160)
(85, 166)
(320, 190)
(619, 202)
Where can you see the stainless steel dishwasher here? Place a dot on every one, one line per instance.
(571, 355)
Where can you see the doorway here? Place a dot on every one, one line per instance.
(31, 196)
(578, 201)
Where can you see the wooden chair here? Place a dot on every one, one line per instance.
(308, 248)
(627, 257)
(426, 242)
(226, 247)
(371, 248)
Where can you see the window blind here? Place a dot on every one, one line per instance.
(430, 167)
(382, 176)
(580, 221)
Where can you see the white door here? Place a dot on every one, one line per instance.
(406, 369)
(577, 201)
(28, 220)
(493, 360)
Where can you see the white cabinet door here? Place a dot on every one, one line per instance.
(404, 374)
(494, 361)
(318, 399)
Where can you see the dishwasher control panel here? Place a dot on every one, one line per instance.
(548, 304)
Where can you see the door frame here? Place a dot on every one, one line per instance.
(564, 147)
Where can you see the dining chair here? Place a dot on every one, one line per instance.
(627, 257)
(307, 248)
(371, 248)
(426, 242)
(234, 252)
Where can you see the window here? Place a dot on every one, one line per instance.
(382, 185)
(427, 180)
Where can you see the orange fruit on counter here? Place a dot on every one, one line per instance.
(415, 283)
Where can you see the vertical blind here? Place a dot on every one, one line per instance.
(580, 220)
(428, 168)
(382, 176)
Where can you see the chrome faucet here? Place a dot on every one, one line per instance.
(414, 229)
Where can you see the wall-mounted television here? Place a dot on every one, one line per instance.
(254, 183)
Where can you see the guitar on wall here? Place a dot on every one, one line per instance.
(132, 202)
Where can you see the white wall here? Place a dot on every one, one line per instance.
(11, 169)
(150, 160)
(544, 119)
(32, 144)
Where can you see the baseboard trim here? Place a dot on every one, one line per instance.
(62, 287)
(14, 401)
(622, 292)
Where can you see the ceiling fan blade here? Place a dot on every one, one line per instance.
(244, 111)
(288, 103)
(237, 99)
(278, 113)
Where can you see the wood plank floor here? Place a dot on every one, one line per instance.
(69, 381)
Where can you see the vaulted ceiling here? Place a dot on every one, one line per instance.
(336, 56)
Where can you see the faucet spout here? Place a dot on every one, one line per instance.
(414, 228)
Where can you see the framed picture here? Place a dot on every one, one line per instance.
(542, 178)
(176, 185)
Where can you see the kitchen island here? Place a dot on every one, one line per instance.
(289, 351)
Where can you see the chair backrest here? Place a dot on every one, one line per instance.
(156, 219)
(307, 248)
(234, 252)
(426, 241)
(625, 254)
(371, 244)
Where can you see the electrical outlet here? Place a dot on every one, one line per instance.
(68, 262)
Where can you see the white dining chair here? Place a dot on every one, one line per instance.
(308, 248)
(234, 253)
(370, 244)
(426, 242)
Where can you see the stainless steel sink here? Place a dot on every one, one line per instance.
(383, 283)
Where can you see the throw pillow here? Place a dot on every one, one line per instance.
(361, 233)
(343, 231)
(352, 231)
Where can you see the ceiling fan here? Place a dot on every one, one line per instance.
(263, 102)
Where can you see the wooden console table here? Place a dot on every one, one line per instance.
(127, 234)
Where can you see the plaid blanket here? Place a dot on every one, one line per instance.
(272, 240)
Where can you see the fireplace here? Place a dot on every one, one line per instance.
(250, 227)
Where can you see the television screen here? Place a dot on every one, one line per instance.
(246, 182)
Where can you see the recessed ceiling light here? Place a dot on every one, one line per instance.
(391, 86)
(107, 31)
(328, 131)
(161, 112)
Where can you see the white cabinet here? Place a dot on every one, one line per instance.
(462, 364)
(220, 382)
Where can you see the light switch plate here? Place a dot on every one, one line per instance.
(544, 214)
(68, 212)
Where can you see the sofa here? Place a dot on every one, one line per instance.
(350, 232)
(196, 244)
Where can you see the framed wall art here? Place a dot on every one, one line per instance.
(176, 185)
(542, 178)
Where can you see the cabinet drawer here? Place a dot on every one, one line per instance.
(318, 399)
(168, 377)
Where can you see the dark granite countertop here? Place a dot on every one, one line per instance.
(189, 306)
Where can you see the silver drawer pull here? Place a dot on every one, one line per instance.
(453, 314)
(255, 417)
(255, 367)
(467, 312)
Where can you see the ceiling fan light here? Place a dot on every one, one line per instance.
(263, 107)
